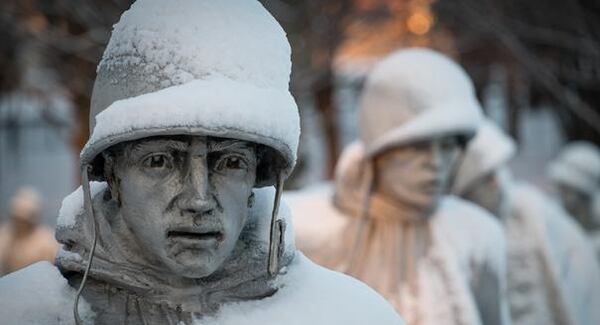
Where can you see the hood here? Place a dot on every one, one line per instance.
(224, 73)
(354, 193)
(489, 150)
(414, 95)
(577, 165)
(243, 275)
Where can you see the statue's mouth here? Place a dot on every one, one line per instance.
(193, 234)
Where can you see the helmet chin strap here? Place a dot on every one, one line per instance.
(369, 179)
(87, 203)
(277, 230)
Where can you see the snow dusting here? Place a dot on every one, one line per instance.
(189, 39)
(43, 284)
(72, 205)
(213, 106)
(216, 68)
(311, 294)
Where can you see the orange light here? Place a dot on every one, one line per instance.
(419, 22)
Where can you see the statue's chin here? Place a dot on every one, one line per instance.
(193, 267)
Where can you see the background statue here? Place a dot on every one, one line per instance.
(438, 259)
(553, 277)
(23, 240)
(576, 175)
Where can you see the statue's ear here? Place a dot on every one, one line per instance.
(109, 175)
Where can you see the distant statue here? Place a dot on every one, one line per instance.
(553, 276)
(23, 240)
(438, 259)
(576, 175)
(194, 131)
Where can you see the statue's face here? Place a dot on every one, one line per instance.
(185, 199)
(418, 174)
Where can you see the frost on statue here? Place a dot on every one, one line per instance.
(192, 127)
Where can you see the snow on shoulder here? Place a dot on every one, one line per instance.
(315, 218)
(473, 232)
(38, 294)
(311, 294)
(72, 205)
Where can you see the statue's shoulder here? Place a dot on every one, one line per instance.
(344, 299)
(458, 215)
(311, 294)
(476, 236)
(38, 294)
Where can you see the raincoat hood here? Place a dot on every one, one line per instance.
(489, 150)
(354, 195)
(223, 73)
(578, 165)
(415, 95)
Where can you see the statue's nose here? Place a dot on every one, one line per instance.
(197, 198)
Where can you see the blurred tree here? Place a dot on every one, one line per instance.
(324, 32)
(67, 36)
(550, 50)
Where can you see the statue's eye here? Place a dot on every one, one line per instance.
(231, 162)
(158, 161)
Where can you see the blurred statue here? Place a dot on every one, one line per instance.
(23, 240)
(576, 174)
(438, 259)
(553, 277)
(191, 115)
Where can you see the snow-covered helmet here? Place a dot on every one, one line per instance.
(196, 67)
(577, 165)
(490, 149)
(413, 95)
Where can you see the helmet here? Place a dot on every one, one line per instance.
(223, 73)
(414, 95)
(577, 165)
(490, 149)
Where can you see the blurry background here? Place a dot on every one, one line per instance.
(535, 64)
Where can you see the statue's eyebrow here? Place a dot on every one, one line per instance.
(228, 145)
(158, 145)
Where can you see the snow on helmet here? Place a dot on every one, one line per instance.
(196, 67)
(577, 165)
(413, 95)
(490, 149)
